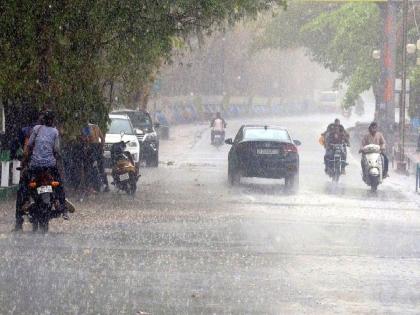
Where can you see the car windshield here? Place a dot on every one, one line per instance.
(140, 119)
(119, 124)
(266, 134)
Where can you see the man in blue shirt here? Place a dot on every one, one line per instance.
(43, 151)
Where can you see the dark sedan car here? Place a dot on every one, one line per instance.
(263, 151)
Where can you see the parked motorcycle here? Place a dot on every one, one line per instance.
(335, 163)
(124, 171)
(372, 166)
(45, 205)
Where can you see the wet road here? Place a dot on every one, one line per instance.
(190, 244)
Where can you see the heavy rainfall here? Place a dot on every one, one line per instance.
(209, 157)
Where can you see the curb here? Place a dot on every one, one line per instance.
(7, 193)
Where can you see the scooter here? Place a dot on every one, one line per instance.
(372, 166)
(124, 171)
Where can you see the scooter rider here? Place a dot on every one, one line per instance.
(218, 124)
(43, 151)
(376, 137)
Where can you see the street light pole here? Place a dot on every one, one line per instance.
(401, 165)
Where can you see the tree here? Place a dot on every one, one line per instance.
(340, 37)
(75, 55)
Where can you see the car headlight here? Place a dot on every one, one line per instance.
(151, 136)
(132, 144)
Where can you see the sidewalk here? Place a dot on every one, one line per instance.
(404, 183)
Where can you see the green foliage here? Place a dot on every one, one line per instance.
(414, 76)
(72, 55)
(340, 37)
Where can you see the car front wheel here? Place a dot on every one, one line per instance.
(234, 176)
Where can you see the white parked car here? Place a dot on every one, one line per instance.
(121, 124)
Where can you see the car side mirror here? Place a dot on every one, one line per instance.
(297, 142)
(138, 131)
(229, 141)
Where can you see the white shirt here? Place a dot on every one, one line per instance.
(218, 125)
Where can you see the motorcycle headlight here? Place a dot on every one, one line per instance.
(132, 144)
(151, 136)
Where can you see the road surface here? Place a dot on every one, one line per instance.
(188, 243)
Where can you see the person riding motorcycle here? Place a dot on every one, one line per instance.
(43, 152)
(376, 137)
(335, 134)
(218, 124)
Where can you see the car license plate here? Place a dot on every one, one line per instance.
(268, 151)
(107, 154)
(124, 176)
(44, 189)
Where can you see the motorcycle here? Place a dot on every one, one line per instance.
(335, 162)
(124, 171)
(372, 166)
(218, 138)
(45, 206)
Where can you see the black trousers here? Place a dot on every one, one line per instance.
(94, 153)
(386, 163)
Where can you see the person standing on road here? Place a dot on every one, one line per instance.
(376, 137)
(95, 142)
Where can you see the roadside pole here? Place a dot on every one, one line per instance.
(401, 164)
(385, 112)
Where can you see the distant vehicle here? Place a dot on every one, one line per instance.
(121, 124)
(263, 151)
(146, 134)
(327, 101)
